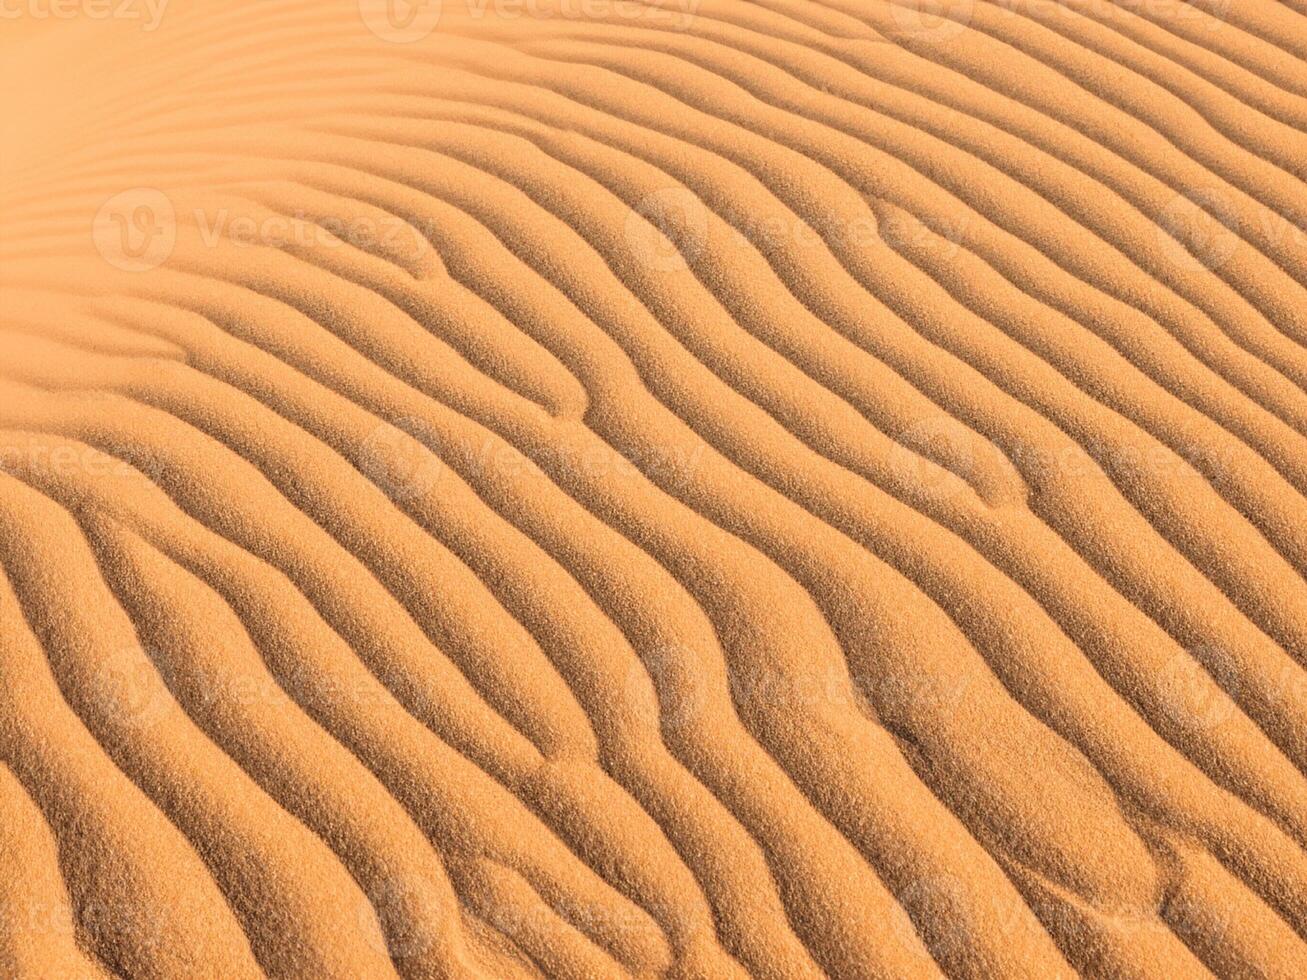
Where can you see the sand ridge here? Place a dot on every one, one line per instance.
(679, 488)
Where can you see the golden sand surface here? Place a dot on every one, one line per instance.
(653, 488)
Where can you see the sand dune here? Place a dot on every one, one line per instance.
(679, 488)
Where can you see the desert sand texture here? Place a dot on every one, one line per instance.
(653, 488)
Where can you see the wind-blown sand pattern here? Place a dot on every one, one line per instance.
(695, 488)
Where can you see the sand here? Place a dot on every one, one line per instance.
(655, 488)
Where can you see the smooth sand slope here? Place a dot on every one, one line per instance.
(589, 488)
